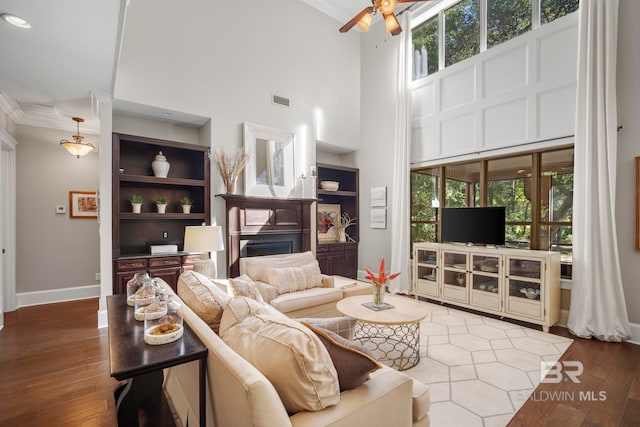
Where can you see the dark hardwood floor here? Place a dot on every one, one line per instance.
(54, 371)
(54, 367)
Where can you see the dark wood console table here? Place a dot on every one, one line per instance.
(141, 365)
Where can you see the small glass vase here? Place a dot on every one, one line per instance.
(378, 295)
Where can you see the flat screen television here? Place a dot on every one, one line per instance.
(481, 226)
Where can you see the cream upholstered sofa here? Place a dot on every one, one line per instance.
(239, 395)
(314, 302)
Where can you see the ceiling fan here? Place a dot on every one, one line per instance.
(386, 8)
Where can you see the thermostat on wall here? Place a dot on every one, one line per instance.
(61, 209)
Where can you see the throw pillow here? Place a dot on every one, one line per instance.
(243, 286)
(203, 297)
(293, 279)
(289, 354)
(342, 326)
(353, 362)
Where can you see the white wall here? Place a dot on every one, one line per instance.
(628, 147)
(54, 252)
(375, 158)
(516, 93)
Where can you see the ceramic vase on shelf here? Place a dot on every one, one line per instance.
(160, 166)
(136, 207)
(186, 209)
(342, 235)
(161, 208)
(378, 295)
(231, 185)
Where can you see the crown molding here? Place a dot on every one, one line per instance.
(11, 107)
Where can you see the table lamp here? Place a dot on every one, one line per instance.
(204, 239)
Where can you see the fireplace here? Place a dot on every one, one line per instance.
(259, 226)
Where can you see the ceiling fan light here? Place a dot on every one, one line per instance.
(364, 22)
(15, 20)
(391, 22)
(387, 6)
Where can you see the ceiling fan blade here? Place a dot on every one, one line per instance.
(346, 27)
(410, 1)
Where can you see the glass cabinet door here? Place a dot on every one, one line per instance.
(524, 285)
(426, 271)
(485, 281)
(455, 275)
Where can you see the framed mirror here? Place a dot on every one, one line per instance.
(270, 172)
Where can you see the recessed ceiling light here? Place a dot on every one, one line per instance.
(15, 20)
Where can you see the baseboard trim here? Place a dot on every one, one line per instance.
(635, 333)
(103, 321)
(25, 299)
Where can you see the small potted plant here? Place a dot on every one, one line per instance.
(161, 203)
(136, 202)
(186, 203)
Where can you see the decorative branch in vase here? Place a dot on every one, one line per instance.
(230, 167)
(341, 224)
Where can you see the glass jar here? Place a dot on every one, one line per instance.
(134, 284)
(154, 307)
(164, 329)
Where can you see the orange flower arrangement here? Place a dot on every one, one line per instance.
(382, 278)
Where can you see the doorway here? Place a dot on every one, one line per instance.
(7, 224)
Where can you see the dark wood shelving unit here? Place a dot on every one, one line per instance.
(338, 258)
(133, 234)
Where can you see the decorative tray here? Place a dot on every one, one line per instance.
(371, 306)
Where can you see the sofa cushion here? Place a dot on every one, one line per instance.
(203, 297)
(289, 354)
(292, 279)
(243, 286)
(421, 400)
(293, 301)
(342, 325)
(353, 362)
(257, 267)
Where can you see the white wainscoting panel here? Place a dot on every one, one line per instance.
(558, 56)
(458, 89)
(424, 100)
(556, 112)
(506, 72)
(457, 134)
(505, 124)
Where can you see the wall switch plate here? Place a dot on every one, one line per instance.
(61, 209)
(165, 235)
(97, 276)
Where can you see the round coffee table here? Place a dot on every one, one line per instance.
(393, 335)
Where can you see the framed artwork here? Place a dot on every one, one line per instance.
(327, 215)
(83, 204)
(378, 218)
(271, 170)
(638, 203)
(378, 197)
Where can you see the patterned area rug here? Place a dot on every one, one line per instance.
(480, 370)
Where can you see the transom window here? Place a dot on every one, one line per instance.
(468, 27)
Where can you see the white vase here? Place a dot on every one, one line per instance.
(161, 208)
(136, 207)
(342, 236)
(160, 166)
(186, 209)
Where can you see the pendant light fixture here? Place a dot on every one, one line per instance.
(77, 147)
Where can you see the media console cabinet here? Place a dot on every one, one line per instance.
(512, 283)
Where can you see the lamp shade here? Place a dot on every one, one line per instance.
(203, 238)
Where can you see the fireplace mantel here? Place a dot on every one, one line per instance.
(262, 216)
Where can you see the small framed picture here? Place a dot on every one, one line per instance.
(327, 216)
(378, 218)
(378, 197)
(83, 204)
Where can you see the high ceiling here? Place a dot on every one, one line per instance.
(51, 72)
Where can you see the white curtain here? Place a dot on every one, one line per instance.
(597, 298)
(400, 203)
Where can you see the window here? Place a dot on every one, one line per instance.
(425, 48)
(425, 186)
(507, 19)
(550, 10)
(461, 31)
(510, 185)
(538, 205)
(461, 39)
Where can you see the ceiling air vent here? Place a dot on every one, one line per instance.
(280, 100)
